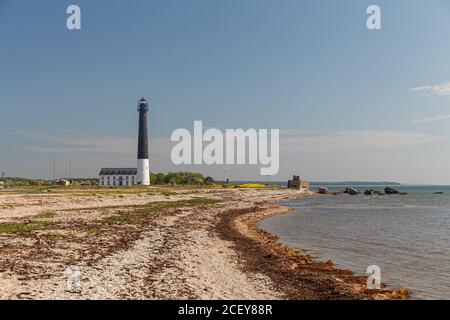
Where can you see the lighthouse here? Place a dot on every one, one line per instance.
(143, 163)
(118, 177)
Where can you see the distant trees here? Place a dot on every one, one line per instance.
(20, 181)
(209, 180)
(17, 181)
(180, 178)
(172, 178)
(157, 178)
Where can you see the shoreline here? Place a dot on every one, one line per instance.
(294, 272)
(151, 244)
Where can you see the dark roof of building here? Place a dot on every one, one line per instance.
(118, 171)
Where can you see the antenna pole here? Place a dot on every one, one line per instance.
(226, 176)
(54, 167)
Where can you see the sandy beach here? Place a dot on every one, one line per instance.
(159, 243)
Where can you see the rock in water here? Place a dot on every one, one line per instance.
(352, 191)
(388, 190)
(372, 192)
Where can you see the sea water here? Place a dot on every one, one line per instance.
(407, 236)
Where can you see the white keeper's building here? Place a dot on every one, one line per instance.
(118, 177)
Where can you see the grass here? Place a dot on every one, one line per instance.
(139, 212)
(124, 218)
(133, 214)
(86, 191)
(25, 227)
(149, 206)
(47, 214)
(55, 237)
(9, 206)
(92, 229)
(168, 193)
(119, 192)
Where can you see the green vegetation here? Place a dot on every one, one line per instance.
(135, 215)
(26, 227)
(47, 214)
(140, 211)
(17, 181)
(180, 178)
(55, 237)
(171, 178)
(152, 206)
(125, 215)
(168, 193)
(10, 206)
(124, 218)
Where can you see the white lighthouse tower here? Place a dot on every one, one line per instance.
(143, 163)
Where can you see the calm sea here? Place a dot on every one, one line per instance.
(408, 237)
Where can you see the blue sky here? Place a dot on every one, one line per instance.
(340, 94)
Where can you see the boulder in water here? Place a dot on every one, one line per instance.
(352, 191)
(372, 192)
(388, 190)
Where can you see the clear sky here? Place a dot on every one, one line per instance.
(351, 104)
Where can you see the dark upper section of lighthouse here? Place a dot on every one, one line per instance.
(143, 105)
(143, 130)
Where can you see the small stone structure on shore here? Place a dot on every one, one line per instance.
(298, 184)
(323, 190)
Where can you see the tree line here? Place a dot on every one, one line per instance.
(181, 178)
